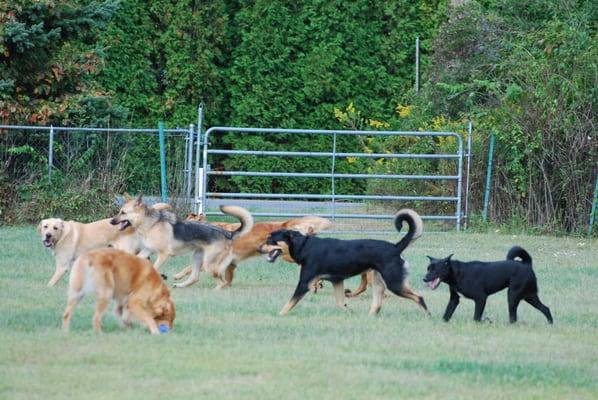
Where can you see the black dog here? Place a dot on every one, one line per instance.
(477, 280)
(336, 260)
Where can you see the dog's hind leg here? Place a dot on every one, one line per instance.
(339, 294)
(535, 302)
(378, 287)
(480, 304)
(102, 302)
(408, 293)
(513, 298)
(68, 311)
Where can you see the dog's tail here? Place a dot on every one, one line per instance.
(520, 252)
(78, 276)
(416, 227)
(243, 215)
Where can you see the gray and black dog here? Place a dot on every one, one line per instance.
(477, 280)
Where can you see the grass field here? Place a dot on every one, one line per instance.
(232, 344)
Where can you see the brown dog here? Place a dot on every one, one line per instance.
(246, 246)
(130, 280)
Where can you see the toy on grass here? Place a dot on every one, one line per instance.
(163, 328)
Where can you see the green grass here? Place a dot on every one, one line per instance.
(231, 344)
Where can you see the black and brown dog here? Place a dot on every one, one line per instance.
(477, 280)
(336, 260)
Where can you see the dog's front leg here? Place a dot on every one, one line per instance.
(196, 264)
(162, 257)
(139, 311)
(144, 253)
(300, 291)
(363, 284)
(62, 268)
(451, 306)
(480, 304)
(183, 273)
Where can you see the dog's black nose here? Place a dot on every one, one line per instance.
(48, 235)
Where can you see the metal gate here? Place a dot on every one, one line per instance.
(335, 205)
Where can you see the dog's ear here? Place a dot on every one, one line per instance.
(139, 200)
(449, 257)
(39, 226)
(127, 197)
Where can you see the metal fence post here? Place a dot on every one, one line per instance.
(197, 208)
(469, 129)
(459, 183)
(417, 65)
(593, 212)
(332, 178)
(51, 153)
(162, 162)
(488, 176)
(189, 165)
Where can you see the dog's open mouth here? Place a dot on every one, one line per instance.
(434, 283)
(122, 225)
(273, 255)
(48, 242)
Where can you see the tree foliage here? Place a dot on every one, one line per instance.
(524, 71)
(48, 59)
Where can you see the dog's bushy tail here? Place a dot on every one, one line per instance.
(520, 252)
(416, 227)
(244, 217)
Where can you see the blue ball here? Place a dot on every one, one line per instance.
(163, 328)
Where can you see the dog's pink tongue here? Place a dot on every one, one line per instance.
(434, 284)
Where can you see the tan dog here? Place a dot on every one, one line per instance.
(247, 246)
(164, 234)
(70, 239)
(130, 280)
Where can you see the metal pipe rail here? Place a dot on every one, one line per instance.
(206, 172)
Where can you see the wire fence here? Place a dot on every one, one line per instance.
(93, 160)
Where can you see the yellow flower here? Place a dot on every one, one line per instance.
(351, 160)
(339, 115)
(404, 111)
(438, 122)
(378, 124)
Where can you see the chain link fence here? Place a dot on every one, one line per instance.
(92, 165)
